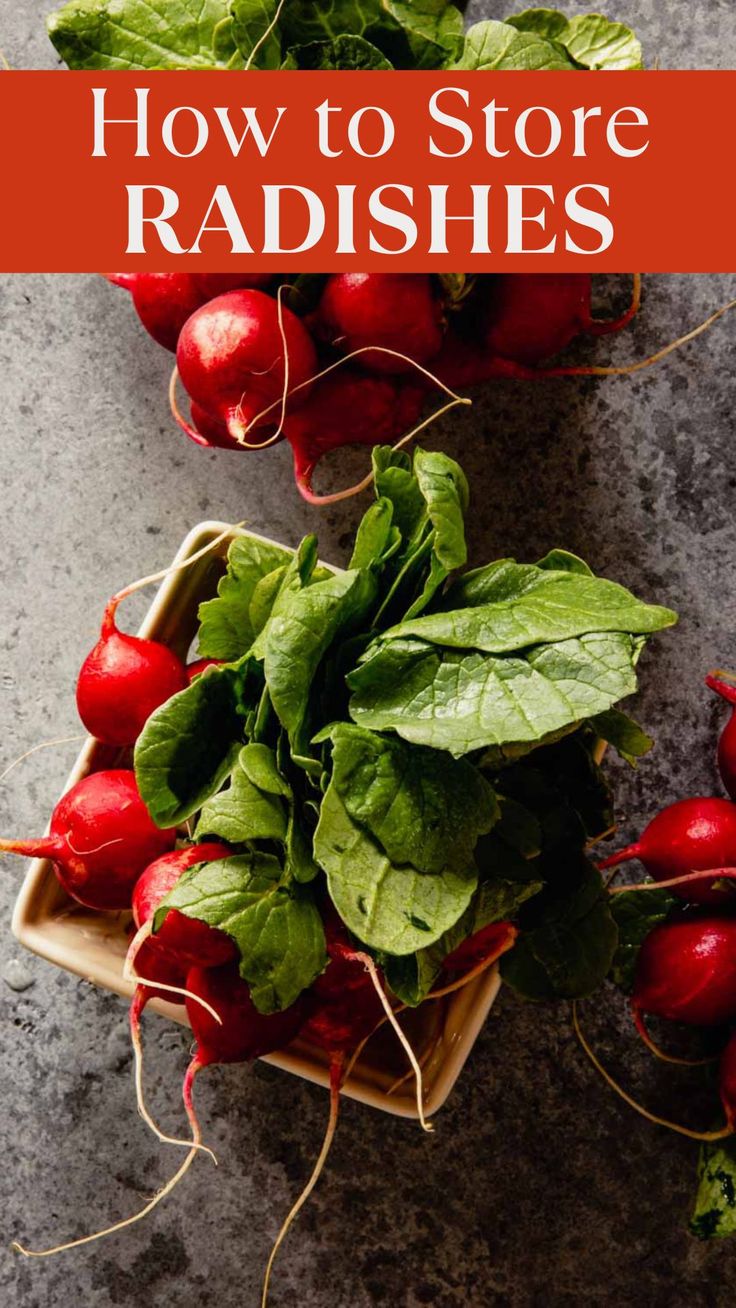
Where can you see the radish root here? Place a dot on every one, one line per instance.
(336, 1071)
(175, 567)
(136, 1010)
(633, 1103)
(129, 974)
(657, 1050)
(626, 370)
(264, 37)
(44, 744)
(710, 874)
(127, 1221)
(370, 968)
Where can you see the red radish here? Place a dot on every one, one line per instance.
(727, 1082)
(686, 971)
(230, 358)
(101, 838)
(200, 666)
(531, 316)
(164, 301)
(348, 408)
(185, 940)
(396, 311)
(480, 949)
(123, 679)
(727, 741)
(691, 835)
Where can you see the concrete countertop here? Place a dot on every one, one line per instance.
(538, 1186)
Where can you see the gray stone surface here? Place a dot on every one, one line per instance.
(538, 1187)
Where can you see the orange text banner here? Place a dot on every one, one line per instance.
(396, 170)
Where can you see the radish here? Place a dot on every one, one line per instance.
(164, 301)
(727, 742)
(686, 971)
(185, 940)
(689, 836)
(200, 666)
(100, 839)
(347, 408)
(531, 316)
(234, 362)
(123, 680)
(397, 311)
(727, 1082)
(480, 950)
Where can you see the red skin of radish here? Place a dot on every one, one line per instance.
(155, 965)
(727, 1082)
(104, 815)
(686, 971)
(245, 1033)
(692, 835)
(398, 311)
(490, 942)
(200, 666)
(184, 940)
(164, 301)
(123, 680)
(349, 408)
(727, 741)
(347, 1007)
(532, 316)
(230, 358)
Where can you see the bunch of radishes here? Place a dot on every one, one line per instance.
(686, 966)
(348, 358)
(109, 856)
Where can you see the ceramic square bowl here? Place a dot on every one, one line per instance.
(93, 945)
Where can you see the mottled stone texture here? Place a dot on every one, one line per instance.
(538, 1187)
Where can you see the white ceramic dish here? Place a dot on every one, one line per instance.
(93, 945)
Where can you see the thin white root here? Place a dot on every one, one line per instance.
(303, 1197)
(627, 1098)
(625, 370)
(129, 974)
(370, 968)
(709, 874)
(177, 567)
(135, 1037)
(117, 1226)
(262, 39)
(44, 744)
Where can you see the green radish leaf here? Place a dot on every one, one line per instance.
(714, 1216)
(136, 35)
(255, 35)
(261, 768)
(420, 34)
(413, 976)
(621, 731)
(594, 42)
(569, 951)
(460, 702)
(344, 52)
(301, 571)
(226, 624)
(564, 561)
(298, 637)
(190, 745)
(276, 926)
(264, 598)
(243, 812)
(376, 538)
(389, 907)
(491, 46)
(422, 807)
(434, 30)
(514, 605)
(635, 914)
